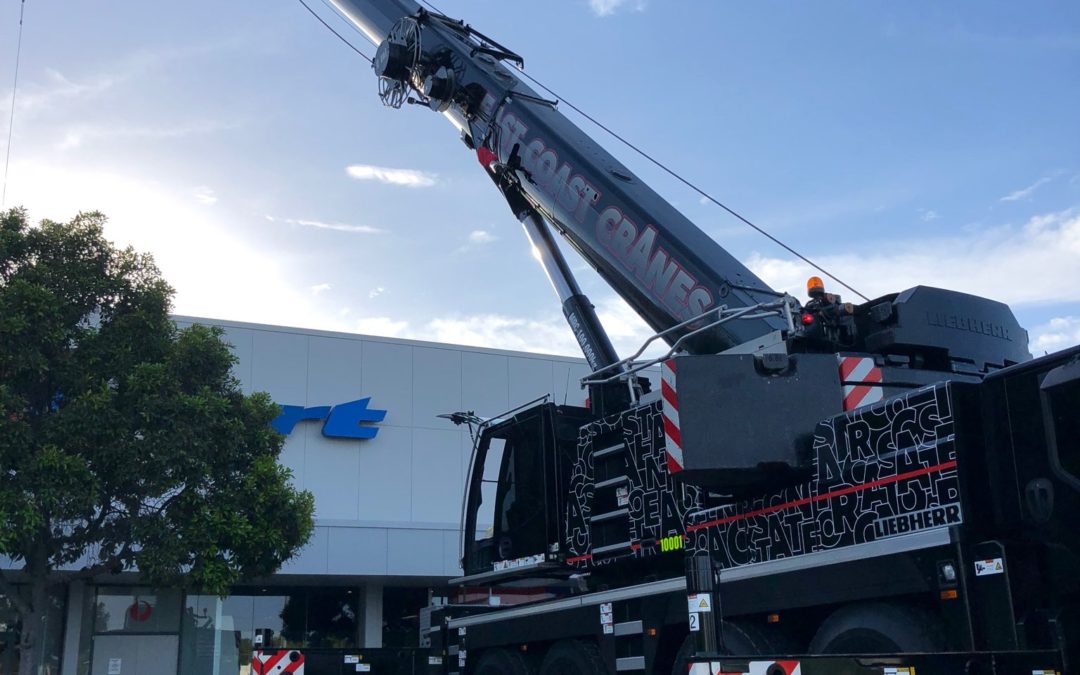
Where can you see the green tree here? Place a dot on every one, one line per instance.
(125, 443)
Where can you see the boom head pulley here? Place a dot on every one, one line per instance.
(397, 62)
(403, 66)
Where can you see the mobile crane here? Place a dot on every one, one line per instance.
(896, 481)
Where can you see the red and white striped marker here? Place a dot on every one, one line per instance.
(858, 374)
(755, 668)
(671, 417)
(277, 662)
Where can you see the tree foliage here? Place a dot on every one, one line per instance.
(124, 442)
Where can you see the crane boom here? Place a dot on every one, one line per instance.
(664, 266)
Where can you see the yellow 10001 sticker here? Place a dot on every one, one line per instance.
(673, 543)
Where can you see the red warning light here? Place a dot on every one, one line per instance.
(807, 319)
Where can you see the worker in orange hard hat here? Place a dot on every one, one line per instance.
(825, 316)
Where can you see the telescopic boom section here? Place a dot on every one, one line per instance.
(666, 268)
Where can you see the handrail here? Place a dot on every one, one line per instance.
(627, 368)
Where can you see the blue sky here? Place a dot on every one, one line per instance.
(899, 143)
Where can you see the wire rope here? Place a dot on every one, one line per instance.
(331, 29)
(11, 118)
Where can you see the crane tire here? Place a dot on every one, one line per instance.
(573, 657)
(502, 661)
(741, 638)
(878, 628)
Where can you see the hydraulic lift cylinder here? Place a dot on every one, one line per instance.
(702, 603)
(576, 307)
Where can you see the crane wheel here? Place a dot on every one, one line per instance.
(879, 628)
(741, 638)
(573, 657)
(502, 661)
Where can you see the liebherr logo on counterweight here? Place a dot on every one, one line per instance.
(637, 249)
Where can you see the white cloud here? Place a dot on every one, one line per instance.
(319, 288)
(548, 335)
(79, 135)
(205, 196)
(1032, 264)
(609, 7)
(481, 237)
(339, 227)
(929, 215)
(57, 91)
(216, 272)
(1026, 192)
(407, 177)
(1055, 335)
(381, 325)
(376, 292)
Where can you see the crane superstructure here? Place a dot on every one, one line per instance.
(895, 476)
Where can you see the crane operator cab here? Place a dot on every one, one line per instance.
(519, 470)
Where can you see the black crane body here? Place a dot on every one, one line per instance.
(895, 478)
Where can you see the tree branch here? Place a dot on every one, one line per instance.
(108, 566)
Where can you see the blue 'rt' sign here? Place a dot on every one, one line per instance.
(343, 420)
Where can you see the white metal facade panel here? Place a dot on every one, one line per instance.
(387, 377)
(436, 386)
(415, 552)
(529, 378)
(279, 366)
(334, 371)
(434, 457)
(452, 553)
(332, 472)
(312, 559)
(385, 481)
(357, 550)
(241, 342)
(484, 380)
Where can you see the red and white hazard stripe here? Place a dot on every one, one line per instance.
(277, 662)
(861, 380)
(671, 416)
(755, 668)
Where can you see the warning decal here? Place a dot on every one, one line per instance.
(986, 567)
(699, 602)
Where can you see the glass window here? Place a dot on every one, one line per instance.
(401, 616)
(485, 514)
(218, 635)
(269, 613)
(1065, 411)
(130, 609)
(332, 618)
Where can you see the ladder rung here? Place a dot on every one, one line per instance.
(611, 481)
(609, 515)
(629, 628)
(619, 447)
